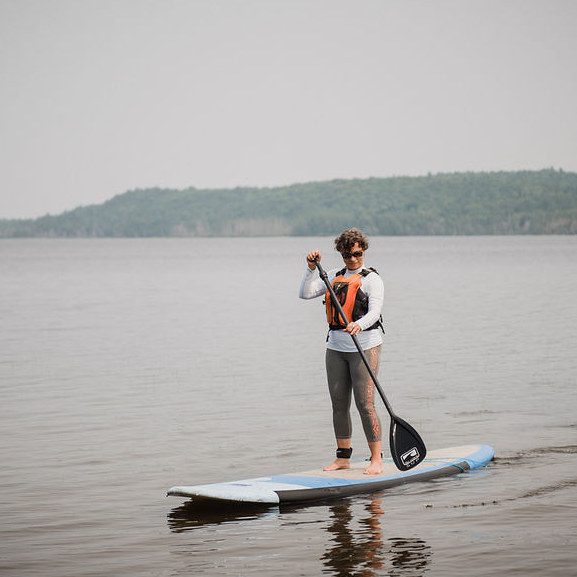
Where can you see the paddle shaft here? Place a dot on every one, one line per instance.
(341, 312)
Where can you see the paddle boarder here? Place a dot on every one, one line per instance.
(361, 293)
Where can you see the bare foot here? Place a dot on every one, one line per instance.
(375, 468)
(338, 464)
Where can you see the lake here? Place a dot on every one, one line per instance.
(128, 366)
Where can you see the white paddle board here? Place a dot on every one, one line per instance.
(319, 484)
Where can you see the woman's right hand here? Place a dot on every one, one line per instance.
(312, 257)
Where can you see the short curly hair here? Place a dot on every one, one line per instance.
(346, 240)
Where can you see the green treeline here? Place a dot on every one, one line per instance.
(529, 202)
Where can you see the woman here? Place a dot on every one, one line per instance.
(360, 292)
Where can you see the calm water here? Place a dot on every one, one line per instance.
(129, 366)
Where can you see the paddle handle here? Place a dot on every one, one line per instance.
(325, 277)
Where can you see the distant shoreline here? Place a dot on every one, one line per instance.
(458, 204)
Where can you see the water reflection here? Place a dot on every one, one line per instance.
(194, 514)
(359, 548)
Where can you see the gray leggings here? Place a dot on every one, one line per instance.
(346, 374)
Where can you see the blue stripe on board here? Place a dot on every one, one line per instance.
(320, 482)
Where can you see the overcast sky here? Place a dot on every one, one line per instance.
(102, 96)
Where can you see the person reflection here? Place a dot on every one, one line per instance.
(359, 549)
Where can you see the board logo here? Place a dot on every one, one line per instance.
(410, 457)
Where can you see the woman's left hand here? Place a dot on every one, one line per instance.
(353, 329)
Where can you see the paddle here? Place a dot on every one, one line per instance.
(407, 447)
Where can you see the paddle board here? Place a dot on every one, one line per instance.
(319, 484)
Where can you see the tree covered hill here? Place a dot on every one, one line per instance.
(528, 202)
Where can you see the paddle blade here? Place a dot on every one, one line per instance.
(407, 447)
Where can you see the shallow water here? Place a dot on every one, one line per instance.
(129, 366)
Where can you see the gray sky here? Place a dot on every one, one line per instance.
(102, 96)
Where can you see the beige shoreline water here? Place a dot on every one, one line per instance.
(120, 376)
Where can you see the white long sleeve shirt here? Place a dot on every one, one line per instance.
(312, 286)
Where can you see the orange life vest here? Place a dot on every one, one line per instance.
(351, 297)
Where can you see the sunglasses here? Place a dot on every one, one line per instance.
(356, 254)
